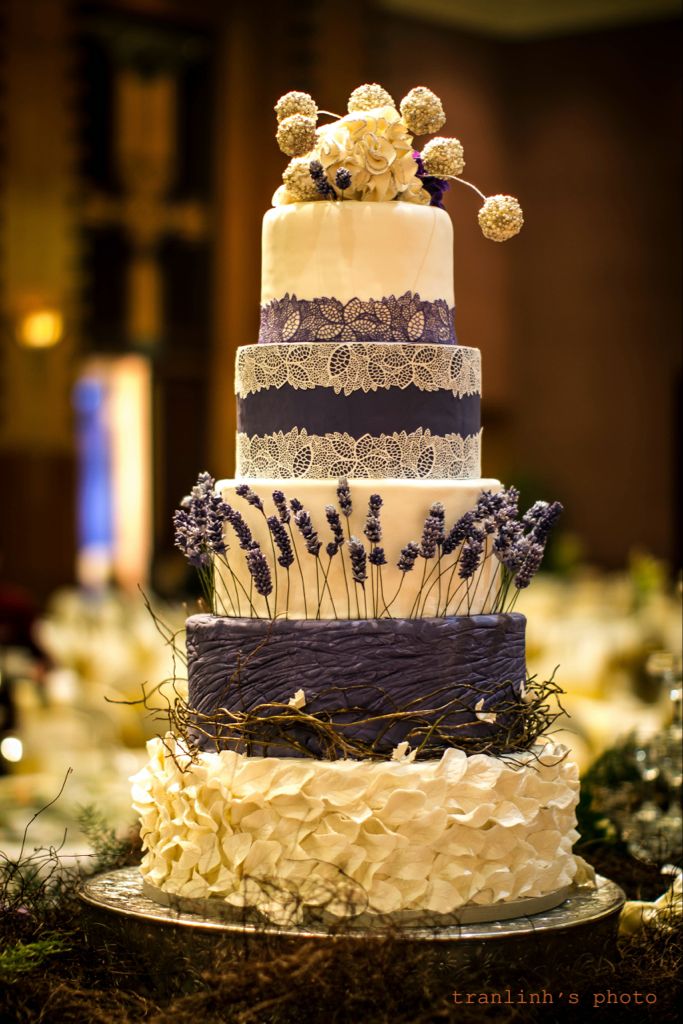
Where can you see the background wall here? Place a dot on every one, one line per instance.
(578, 318)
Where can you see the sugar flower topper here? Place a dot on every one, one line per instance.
(368, 155)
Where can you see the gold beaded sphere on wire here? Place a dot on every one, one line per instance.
(298, 181)
(296, 103)
(368, 97)
(296, 134)
(422, 111)
(500, 218)
(443, 157)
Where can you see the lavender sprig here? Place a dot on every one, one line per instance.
(542, 518)
(199, 523)
(408, 556)
(280, 503)
(335, 525)
(315, 169)
(359, 560)
(432, 534)
(377, 556)
(530, 565)
(344, 497)
(245, 491)
(458, 533)
(470, 557)
(305, 527)
(239, 525)
(281, 538)
(260, 572)
(342, 179)
(373, 529)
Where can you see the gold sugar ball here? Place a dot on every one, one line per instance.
(443, 157)
(368, 97)
(422, 111)
(296, 134)
(296, 103)
(500, 218)
(298, 181)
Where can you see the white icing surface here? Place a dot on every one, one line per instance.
(350, 250)
(406, 504)
(357, 836)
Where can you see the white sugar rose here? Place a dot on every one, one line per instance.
(376, 149)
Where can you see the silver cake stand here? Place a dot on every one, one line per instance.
(587, 921)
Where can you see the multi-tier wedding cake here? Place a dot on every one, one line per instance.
(360, 736)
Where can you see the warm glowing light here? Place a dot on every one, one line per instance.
(42, 328)
(11, 748)
(131, 460)
(113, 403)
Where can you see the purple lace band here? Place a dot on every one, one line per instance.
(405, 319)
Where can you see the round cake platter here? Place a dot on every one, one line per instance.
(119, 906)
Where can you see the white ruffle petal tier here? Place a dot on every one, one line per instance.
(281, 834)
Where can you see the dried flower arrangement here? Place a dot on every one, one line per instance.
(368, 155)
(452, 559)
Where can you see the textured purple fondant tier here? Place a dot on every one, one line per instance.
(428, 675)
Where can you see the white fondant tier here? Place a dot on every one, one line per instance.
(351, 837)
(320, 588)
(354, 250)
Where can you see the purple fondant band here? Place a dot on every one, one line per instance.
(405, 318)
(379, 681)
(388, 411)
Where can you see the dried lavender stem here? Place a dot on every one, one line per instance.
(235, 605)
(398, 591)
(301, 571)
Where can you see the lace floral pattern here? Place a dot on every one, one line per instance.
(406, 318)
(417, 455)
(352, 366)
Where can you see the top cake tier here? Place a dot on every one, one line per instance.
(351, 271)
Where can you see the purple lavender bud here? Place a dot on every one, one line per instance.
(432, 535)
(470, 557)
(545, 521)
(342, 179)
(377, 556)
(281, 538)
(458, 533)
(344, 497)
(315, 169)
(331, 548)
(335, 525)
(511, 502)
(305, 526)
(358, 560)
(215, 534)
(199, 522)
(280, 503)
(373, 529)
(408, 556)
(260, 573)
(375, 502)
(295, 505)
(240, 527)
(530, 566)
(245, 491)
(506, 546)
